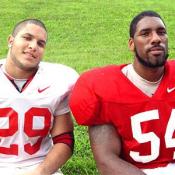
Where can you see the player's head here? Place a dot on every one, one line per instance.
(148, 39)
(27, 44)
(138, 17)
(23, 23)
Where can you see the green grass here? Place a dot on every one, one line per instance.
(84, 34)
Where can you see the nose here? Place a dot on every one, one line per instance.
(155, 38)
(33, 45)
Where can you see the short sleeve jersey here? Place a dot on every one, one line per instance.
(26, 118)
(145, 124)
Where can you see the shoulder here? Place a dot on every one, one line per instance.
(171, 62)
(101, 74)
(169, 67)
(90, 91)
(57, 71)
(105, 69)
(47, 66)
(95, 73)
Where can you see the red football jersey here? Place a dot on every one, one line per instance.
(146, 124)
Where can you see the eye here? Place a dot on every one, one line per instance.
(41, 44)
(145, 33)
(28, 38)
(162, 32)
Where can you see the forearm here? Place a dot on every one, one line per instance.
(106, 147)
(56, 157)
(114, 166)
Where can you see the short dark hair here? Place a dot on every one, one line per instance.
(138, 17)
(23, 23)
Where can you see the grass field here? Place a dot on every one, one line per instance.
(84, 34)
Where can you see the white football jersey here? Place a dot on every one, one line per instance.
(26, 118)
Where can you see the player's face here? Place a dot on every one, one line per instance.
(27, 47)
(150, 42)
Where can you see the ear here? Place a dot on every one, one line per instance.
(10, 40)
(131, 44)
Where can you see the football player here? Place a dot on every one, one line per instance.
(130, 108)
(36, 129)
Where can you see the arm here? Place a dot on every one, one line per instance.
(60, 152)
(106, 148)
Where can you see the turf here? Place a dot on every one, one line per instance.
(84, 34)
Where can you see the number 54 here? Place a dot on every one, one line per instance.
(136, 121)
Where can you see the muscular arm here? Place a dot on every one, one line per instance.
(60, 152)
(106, 148)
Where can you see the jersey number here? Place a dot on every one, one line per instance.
(12, 116)
(151, 137)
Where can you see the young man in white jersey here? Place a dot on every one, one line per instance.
(131, 117)
(36, 129)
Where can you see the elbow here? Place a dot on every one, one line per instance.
(101, 164)
(106, 161)
(105, 166)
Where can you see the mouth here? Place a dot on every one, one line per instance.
(29, 55)
(156, 50)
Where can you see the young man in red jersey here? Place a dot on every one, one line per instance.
(130, 109)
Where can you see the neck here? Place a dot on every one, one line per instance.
(16, 72)
(149, 74)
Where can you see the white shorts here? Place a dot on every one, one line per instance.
(168, 170)
(21, 170)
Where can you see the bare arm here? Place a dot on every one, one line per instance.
(106, 148)
(60, 152)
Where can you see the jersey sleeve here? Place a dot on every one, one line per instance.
(85, 103)
(70, 78)
(62, 107)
